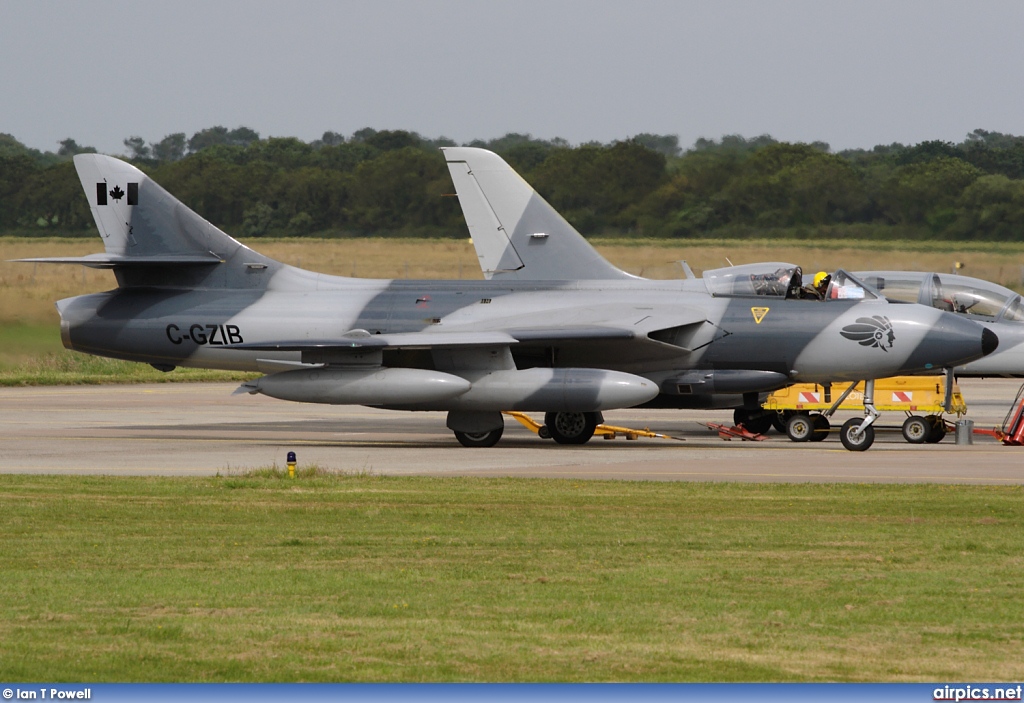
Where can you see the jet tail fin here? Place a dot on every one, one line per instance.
(516, 233)
(151, 238)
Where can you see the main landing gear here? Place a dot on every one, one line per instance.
(484, 429)
(571, 428)
(479, 439)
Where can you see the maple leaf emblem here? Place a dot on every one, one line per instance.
(117, 193)
(874, 331)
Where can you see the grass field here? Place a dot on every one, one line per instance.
(362, 578)
(30, 349)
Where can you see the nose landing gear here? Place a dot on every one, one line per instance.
(857, 435)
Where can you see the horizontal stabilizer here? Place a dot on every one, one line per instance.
(108, 261)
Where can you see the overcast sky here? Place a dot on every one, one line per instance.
(853, 74)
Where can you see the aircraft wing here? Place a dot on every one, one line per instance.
(442, 340)
(372, 342)
(571, 334)
(623, 334)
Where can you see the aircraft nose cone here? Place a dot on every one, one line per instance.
(989, 341)
(953, 340)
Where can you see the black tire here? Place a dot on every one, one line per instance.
(857, 442)
(916, 429)
(800, 427)
(756, 421)
(479, 439)
(938, 429)
(571, 428)
(779, 420)
(821, 427)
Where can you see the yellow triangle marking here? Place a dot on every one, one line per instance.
(759, 314)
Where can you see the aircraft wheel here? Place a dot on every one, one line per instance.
(821, 427)
(800, 427)
(479, 439)
(852, 439)
(756, 421)
(938, 429)
(916, 429)
(571, 428)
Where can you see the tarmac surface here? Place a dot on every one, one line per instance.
(202, 429)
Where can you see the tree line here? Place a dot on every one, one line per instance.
(394, 182)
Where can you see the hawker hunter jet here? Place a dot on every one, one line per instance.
(571, 347)
(520, 237)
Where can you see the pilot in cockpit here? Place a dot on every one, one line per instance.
(820, 286)
(813, 291)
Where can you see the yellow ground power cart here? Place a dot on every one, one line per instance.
(802, 411)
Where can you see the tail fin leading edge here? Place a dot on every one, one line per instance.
(516, 233)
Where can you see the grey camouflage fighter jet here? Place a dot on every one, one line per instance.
(505, 214)
(190, 295)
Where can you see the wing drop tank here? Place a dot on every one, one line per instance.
(539, 389)
(352, 386)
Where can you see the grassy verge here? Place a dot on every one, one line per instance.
(257, 577)
(72, 369)
(32, 355)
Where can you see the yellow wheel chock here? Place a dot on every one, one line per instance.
(604, 431)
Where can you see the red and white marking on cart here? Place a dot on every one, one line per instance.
(810, 397)
(902, 396)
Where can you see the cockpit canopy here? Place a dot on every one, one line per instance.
(781, 280)
(949, 292)
(846, 286)
(771, 279)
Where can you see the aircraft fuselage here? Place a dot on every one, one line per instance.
(679, 326)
